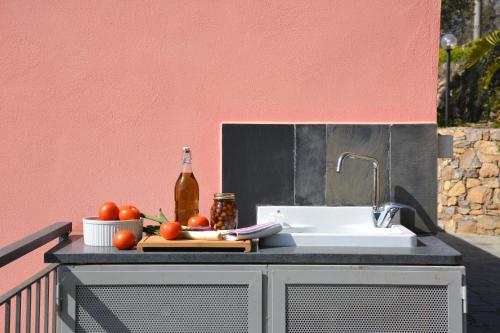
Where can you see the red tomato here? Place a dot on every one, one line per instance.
(108, 211)
(198, 221)
(129, 212)
(124, 240)
(170, 230)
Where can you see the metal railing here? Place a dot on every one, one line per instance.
(23, 293)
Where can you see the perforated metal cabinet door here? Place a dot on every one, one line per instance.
(382, 299)
(153, 298)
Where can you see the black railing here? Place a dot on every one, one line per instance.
(23, 246)
(24, 290)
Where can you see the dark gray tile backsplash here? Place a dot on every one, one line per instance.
(353, 185)
(310, 164)
(258, 165)
(414, 174)
(295, 165)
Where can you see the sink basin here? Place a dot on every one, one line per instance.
(331, 226)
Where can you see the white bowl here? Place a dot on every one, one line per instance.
(101, 233)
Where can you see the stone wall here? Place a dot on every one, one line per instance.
(468, 184)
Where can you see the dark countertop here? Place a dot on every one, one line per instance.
(430, 251)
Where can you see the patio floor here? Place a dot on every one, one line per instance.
(482, 262)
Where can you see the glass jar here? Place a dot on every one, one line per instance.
(224, 212)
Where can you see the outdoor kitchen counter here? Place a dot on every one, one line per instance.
(430, 251)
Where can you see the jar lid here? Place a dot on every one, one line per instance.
(224, 196)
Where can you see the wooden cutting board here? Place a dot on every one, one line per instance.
(156, 243)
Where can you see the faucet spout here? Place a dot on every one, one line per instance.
(340, 161)
(376, 177)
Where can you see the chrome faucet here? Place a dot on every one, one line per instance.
(376, 180)
(387, 212)
(382, 214)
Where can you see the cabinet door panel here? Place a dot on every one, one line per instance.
(365, 299)
(135, 299)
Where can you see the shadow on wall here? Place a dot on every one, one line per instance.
(407, 217)
(483, 277)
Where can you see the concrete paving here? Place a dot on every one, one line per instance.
(482, 262)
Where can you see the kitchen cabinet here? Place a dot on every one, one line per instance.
(160, 298)
(261, 298)
(309, 299)
(273, 290)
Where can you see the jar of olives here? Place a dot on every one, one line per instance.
(224, 212)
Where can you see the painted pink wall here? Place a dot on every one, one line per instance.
(98, 97)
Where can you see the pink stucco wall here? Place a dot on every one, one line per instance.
(98, 97)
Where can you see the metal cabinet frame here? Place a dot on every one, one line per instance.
(266, 285)
(72, 276)
(281, 276)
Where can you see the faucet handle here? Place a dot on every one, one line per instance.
(390, 205)
(388, 211)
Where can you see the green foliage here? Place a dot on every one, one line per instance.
(490, 72)
(490, 16)
(481, 50)
(482, 47)
(458, 54)
(475, 81)
(456, 18)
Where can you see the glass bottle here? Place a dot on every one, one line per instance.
(186, 190)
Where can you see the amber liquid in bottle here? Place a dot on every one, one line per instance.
(187, 192)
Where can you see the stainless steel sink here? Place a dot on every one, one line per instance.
(331, 226)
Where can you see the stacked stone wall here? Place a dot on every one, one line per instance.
(468, 184)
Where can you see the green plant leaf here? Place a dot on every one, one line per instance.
(482, 47)
(490, 72)
(493, 38)
(151, 229)
(162, 216)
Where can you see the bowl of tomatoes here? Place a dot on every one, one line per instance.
(100, 230)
